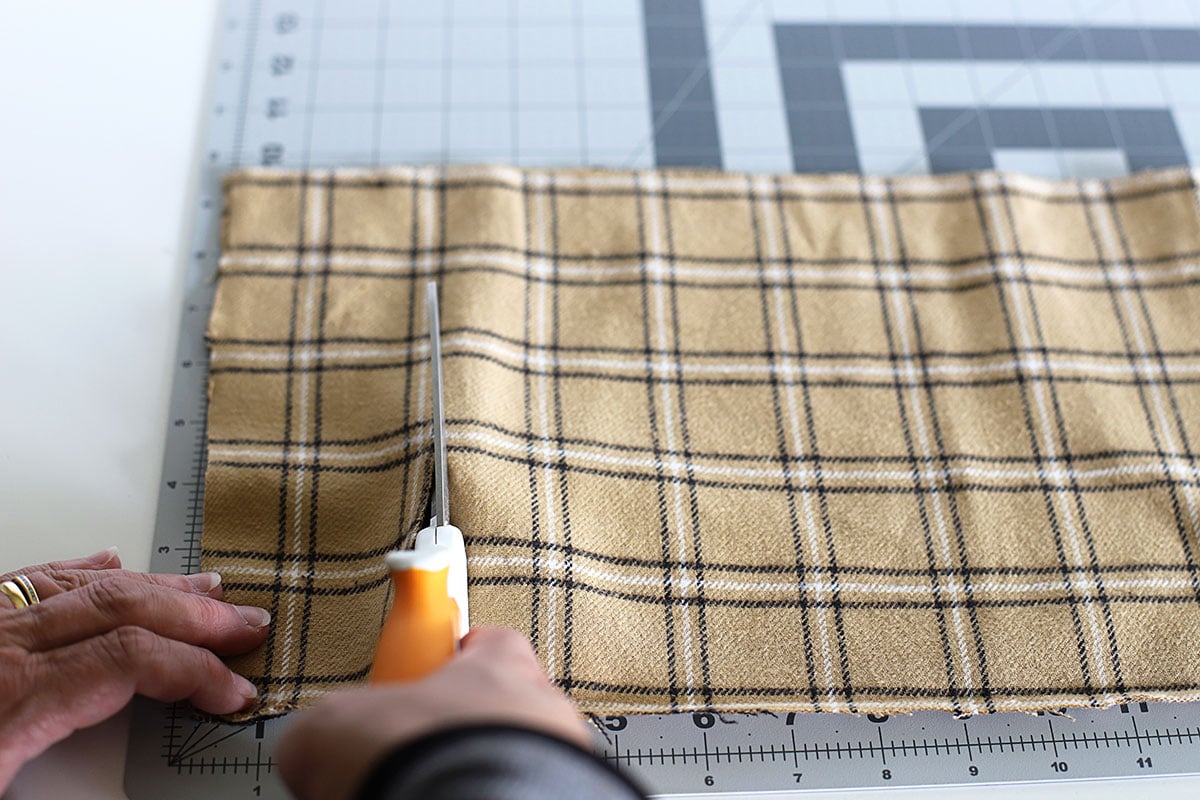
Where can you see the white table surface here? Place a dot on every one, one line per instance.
(99, 118)
(101, 106)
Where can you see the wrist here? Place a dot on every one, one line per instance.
(480, 752)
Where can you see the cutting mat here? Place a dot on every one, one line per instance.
(1058, 88)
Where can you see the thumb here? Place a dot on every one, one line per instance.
(502, 645)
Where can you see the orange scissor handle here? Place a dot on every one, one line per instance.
(421, 632)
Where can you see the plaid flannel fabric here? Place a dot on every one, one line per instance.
(723, 441)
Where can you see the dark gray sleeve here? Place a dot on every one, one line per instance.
(494, 762)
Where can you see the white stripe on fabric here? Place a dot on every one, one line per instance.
(307, 314)
(918, 275)
(784, 344)
(1140, 328)
(889, 253)
(540, 228)
(769, 586)
(1024, 327)
(466, 344)
(764, 588)
(657, 241)
(1055, 477)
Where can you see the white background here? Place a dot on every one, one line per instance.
(100, 109)
(100, 114)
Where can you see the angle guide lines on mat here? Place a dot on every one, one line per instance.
(724, 442)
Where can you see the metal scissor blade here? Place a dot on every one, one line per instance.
(441, 494)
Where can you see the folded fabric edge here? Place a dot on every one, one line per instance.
(435, 172)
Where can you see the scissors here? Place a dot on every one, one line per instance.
(429, 611)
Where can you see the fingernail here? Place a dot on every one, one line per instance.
(248, 690)
(103, 557)
(255, 617)
(204, 582)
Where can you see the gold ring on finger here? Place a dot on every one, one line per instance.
(31, 594)
(20, 592)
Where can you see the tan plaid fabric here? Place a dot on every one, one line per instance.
(721, 441)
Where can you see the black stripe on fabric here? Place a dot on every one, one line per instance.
(1017, 488)
(1147, 690)
(938, 605)
(882, 691)
(326, 246)
(660, 480)
(535, 537)
(990, 236)
(350, 590)
(836, 382)
(1065, 444)
(699, 283)
(830, 355)
(314, 182)
(685, 436)
(405, 527)
(284, 467)
(561, 474)
(701, 455)
(918, 489)
(529, 253)
(330, 559)
(946, 475)
(717, 601)
(1181, 526)
(357, 676)
(326, 559)
(784, 456)
(835, 569)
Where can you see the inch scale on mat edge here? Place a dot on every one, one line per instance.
(173, 755)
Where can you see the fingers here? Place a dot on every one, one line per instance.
(494, 638)
(99, 635)
(87, 682)
(503, 660)
(54, 581)
(93, 679)
(326, 752)
(105, 559)
(99, 607)
(503, 644)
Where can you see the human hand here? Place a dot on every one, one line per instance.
(327, 751)
(101, 634)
